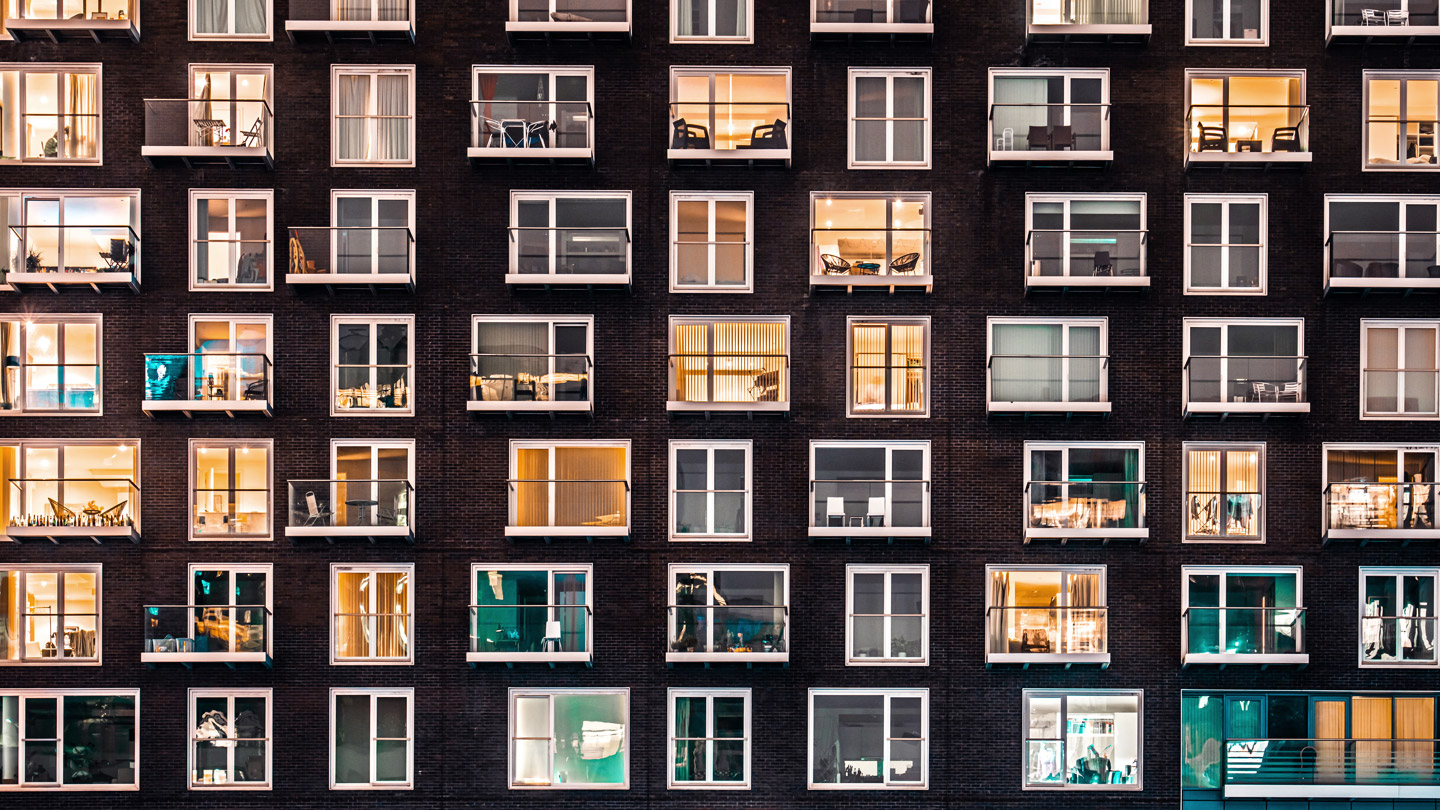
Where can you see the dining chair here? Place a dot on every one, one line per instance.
(1039, 139)
(1212, 139)
(1062, 136)
(875, 513)
(834, 265)
(835, 511)
(1103, 266)
(1285, 139)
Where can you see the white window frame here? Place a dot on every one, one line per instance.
(851, 569)
(409, 696)
(877, 531)
(26, 320)
(370, 569)
(26, 569)
(1067, 277)
(374, 197)
(269, 739)
(1404, 77)
(550, 569)
(889, 74)
(713, 361)
(1226, 201)
(372, 321)
(18, 201)
(514, 276)
(1069, 75)
(231, 569)
(1185, 493)
(748, 38)
(236, 248)
(196, 36)
(372, 133)
(710, 446)
(1064, 695)
(553, 106)
(550, 445)
(59, 445)
(712, 123)
(709, 695)
(888, 694)
(1402, 325)
(1226, 107)
(1230, 42)
(1065, 404)
(1225, 571)
(1062, 621)
(1397, 454)
(59, 695)
(1141, 532)
(550, 694)
(1241, 407)
(60, 70)
(1395, 572)
(711, 198)
(408, 445)
(265, 445)
(233, 320)
(588, 321)
(818, 275)
(927, 390)
(715, 620)
(1403, 237)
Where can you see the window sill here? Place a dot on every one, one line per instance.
(1365, 33)
(716, 658)
(1271, 790)
(1068, 32)
(918, 661)
(879, 29)
(192, 156)
(727, 406)
(709, 156)
(1247, 408)
(1052, 158)
(360, 29)
(569, 279)
(869, 531)
(92, 280)
(1087, 281)
(576, 406)
(567, 531)
(1372, 535)
(1048, 407)
(1087, 534)
(1246, 659)
(474, 658)
(1250, 158)
(892, 282)
(333, 533)
(1351, 283)
(352, 279)
(576, 27)
(870, 786)
(523, 154)
(23, 29)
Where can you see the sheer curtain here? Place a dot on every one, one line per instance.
(350, 602)
(743, 353)
(83, 124)
(532, 500)
(870, 96)
(392, 635)
(352, 9)
(353, 97)
(1027, 367)
(691, 373)
(1085, 364)
(211, 16)
(685, 17)
(1415, 725)
(1200, 737)
(570, 590)
(250, 17)
(393, 99)
(394, 10)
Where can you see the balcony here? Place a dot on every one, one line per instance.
(96, 509)
(536, 132)
(88, 255)
(54, 20)
(1399, 144)
(718, 633)
(877, 258)
(208, 132)
(1047, 635)
(1237, 135)
(1039, 134)
(349, 508)
(1383, 769)
(729, 382)
(1091, 259)
(565, 20)
(1382, 260)
(569, 255)
(530, 633)
(531, 382)
(1073, 510)
(1367, 20)
(206, 383)
(1244, 635)
(199, 634)
(546, 507)
(1366, 511)
(352, 257)
(390, 21)
(1245, 385)
(849, 20)
(1085, 21)
(1049, 383)
(1400, 393)
(858, 507)
(709, 132)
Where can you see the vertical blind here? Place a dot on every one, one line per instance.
(588, 486)
(746, 363)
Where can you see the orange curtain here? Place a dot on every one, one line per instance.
(1415, 728)
(1330, 741)
(1370, 722)
(590, 488)
(350, 602)
(532, 501)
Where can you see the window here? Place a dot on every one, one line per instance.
(231, 231)
(65, 236)
(1257, 116)
(374, 117)
(1046, 614)
(1099, 731)
(1228, 22)
(373, 357)
(1085, 490)
(1040, 110)
(1397, 617)
(75, 739)
(742, 114)
(738, 612)
(1374, 491)
(53, 364)
(371, 489)
(52, 114)
(530, 613)
(51, 486)
(227, 366)
(1074, 240)
(712, 21)
(1376, 241)
(570, 739)
(729, 364)
(712, 241)
(1243, 615)
(864, 487)
(1049, 366)
(888, 619)
(890, 119)
(31, 21)
(1225, 244)
(230, 739)
(230, 19)
(1245, 365)
(869, 739)
(51, 615)
(1401, 110)
(372, 739)
(568, 16)
(710, 490)
(561, 237)
(226, 618)
(869, 239)
(889, 366)
(709, 738)
(532, 363)
(231, 489)
(1224, 492)
(1399, 369)
(370, 241)
(372, 613)
(533, 112)
(579, 488)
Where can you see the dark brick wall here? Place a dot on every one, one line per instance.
(978, 215)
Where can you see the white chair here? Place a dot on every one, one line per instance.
(835, 511)
(1006, 141)
(551, 641)
(875, 513)
(1372, 16)
(1397, 16)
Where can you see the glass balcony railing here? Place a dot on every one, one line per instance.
(742, 630)
(1086, 505)
(1407, 255)
(1332, 765)
(218, 630)
(1403, 143)
(1377, 506)
(871, 12)
(77, 250)
(1245, 630)
(371, 636)
(207, 377)
(1047, 630)
(1087, 12)
(729, 378)
(849, 252)
(1235, 515)
(1091, 254)
(356, 503)
(1382, 13)
(203, 122)
(570, 254)
(81, 503)
(729, 126)
(498, 630)
(63, 387)
(508, 124)
(1413, 392)
(872, 504)
(73, 9)
(530, 378)
(600, 505)
(356, 11)
(569, 12)
(1264, 128)
(354, 255)
(1397, 640)
(1058, 127)
(1255, 379)
(1078, 379)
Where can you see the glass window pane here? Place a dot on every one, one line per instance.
(597, 722)
(99, 740)
(849, 738)
(352, 739)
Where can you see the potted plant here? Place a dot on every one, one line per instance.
(32, 261)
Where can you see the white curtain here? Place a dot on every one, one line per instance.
(352, 10)
(1085, 366)
(354, 95)
(250, 17)
(1031, 371)
(685, 18)
(1113, 12)
(393, 10)
(211, 16)
(394, 133)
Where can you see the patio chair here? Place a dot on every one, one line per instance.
(834, 265)
(834, 511)
(1289, 391)
(514, 132)
(1265, 392)
(550, 642)
(766, 387)
(1212, 139)
(905, 265)
(1103, 266)
(316, 515)
(1039, 138)
(689, 136)
(911, 11)
(875, 512)
(118, 257)
(1062, 136)
(61, 511)
(1372, 16)
(113, 515)
(1006, 141)
(1397, 16)
(256, 389)
(1285, 139)
(491, 132)
(767, 136)
(255, 135)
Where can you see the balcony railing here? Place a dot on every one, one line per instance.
(569, 255)
(729, 631)
(870, 506)
(379, 387)
(351, 507)
(1234, 515)
(530, 382)
(1086, 12)
(365, 11)
(536, 632)
(871, 12)
(738, 128)
(228, 381)
(1058, 631)
(1333, 767)
(61, 387)
(574, 13)
(759, 381)
(351, 255)
(544, 506)
(1370, 507)
(1401, 392)
(1232, 631)
(88, 19)
(510, 129)
(1074, 131)
(1049, 382)
(1093, 507)
(1382, 14)
(1234, 383)
(1098, 257)
(199, 130)
(76, 254)
(1383, 258)
(190, 633)
(1242, 132)
(878, 256)
(1397, 640)
(75, 507)
(1401, 143)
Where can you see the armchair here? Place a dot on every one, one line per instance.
(834, 265)
(689, 136)
(905, 265)
(1062, 136)
(1039, 138)
(1212, 139)
(1285, 139)
(767, 136)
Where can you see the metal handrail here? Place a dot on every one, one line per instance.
(262, 355)
(880, 230)
(587, 607)
(784, 104)
(404, 481)
(625, 229)
(728, 354)
(1190, 111)
(1333, 233)
(588, 110)
(814, 481)
(1103, 104)
(990, 361)
(1029, 484)
(588, 360)
(267, 610)
(785, 608)
(1060, 608)
(1244, 357)
(1296, 609)
(260, 101)
(1377, 484)
(513, 481)
(1144, 232)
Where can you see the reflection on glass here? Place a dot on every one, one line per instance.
(740, 361)
(535, 611)
(570, 739)
(710, 491)
(1244, 614)
(1083, 739)
(738, 611)
(857, 236)
(1398, 622)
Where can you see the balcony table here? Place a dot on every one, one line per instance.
(361, 504)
